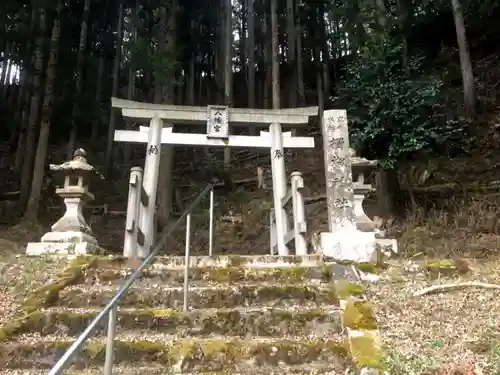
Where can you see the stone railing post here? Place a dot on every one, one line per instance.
(133, 206)
(272, 232)
(297, 233)
(299, 216)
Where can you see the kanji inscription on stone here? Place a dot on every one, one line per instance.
(339, 191)
(336, 142)
(152, 150)
(217, 122)
(278, 154)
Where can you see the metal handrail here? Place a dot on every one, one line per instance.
(112, 304)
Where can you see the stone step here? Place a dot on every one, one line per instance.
(215, 296)
(164, 275)
(181, 356)
(310, 260)
(237, 322)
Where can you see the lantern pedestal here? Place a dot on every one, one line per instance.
(63, 248)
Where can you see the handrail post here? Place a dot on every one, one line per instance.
(133, 206)
(211, 225)
(110, 341)
(186, 261)
(299, 217)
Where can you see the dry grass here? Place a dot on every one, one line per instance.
(466, 227)
(454, 332)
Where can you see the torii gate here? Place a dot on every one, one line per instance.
(217, 120)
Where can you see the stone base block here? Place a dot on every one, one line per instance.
(69, 237)
(348, 244)
(62, 248)
(356, 246)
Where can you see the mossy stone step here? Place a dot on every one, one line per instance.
(185, 355)
(218, 261)
(203, 275)
(199, 323)
(217, 296)
(135, 369)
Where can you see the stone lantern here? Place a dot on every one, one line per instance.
(361, 167)
(70, 234)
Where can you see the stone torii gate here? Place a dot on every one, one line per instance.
(216, 119)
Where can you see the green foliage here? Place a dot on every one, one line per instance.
(145, 56)
(394, 108)
(164, 65)
(139, 52)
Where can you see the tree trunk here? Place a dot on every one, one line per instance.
(319, 80)
(24, 96)
(275, 56)
(21, 139)
(3, 31)
(291, 55)
(250, 54)
(325, 54)
(97, 108)
(300, 68)
(191, 74)
(403, 7)
(47, 109)
(387, 190)
(96, 116)
(34, 112)
(242, 43)
(228, 66)
(220, 54)
(9, 71)
(131, 84)
(165, 94)
(465, 60)
(116, 81)
(21, 117)
(78, 80)
(387, 182)
(267, 47)
(5, 68)
(381, 11)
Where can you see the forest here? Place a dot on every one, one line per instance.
(418, 78)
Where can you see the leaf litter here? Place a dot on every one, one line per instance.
(21, 274)
(455, 331)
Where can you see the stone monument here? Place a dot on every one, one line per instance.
(352, 235)
(70, 234)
